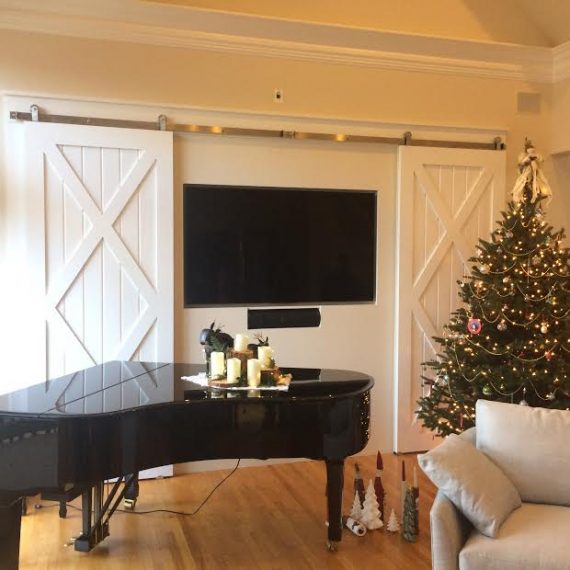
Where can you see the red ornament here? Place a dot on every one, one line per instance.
(474, 326)
(548, 355)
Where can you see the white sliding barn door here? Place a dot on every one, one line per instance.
(102, 238)
(101, 245)
(448, 199)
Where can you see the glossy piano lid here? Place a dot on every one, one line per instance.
(119, 386)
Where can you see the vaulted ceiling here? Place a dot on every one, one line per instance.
(527, 22)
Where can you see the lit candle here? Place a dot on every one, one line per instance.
(240, 343)
(234, 370)
(217, 364)
(253, 372)
(265, 355)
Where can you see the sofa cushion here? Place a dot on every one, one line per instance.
(534, 537)
(531, 446)
(471, 482)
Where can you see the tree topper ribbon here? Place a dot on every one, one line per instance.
(531, 175)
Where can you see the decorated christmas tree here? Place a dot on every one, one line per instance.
(510, 339)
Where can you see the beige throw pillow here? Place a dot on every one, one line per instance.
(531, 446)
(472, 482)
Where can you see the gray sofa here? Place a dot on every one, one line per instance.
(531, 446)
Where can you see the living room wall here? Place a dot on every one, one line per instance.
(173, 80)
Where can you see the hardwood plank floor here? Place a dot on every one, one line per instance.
(270, 517)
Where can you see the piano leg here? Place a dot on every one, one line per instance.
(97, 512)
(10, 519)
(132, 494)
(335, 482)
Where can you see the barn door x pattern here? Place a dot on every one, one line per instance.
(108, 247)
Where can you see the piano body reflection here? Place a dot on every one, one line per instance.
(66, 436)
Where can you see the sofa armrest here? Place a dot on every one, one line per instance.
(449, 531)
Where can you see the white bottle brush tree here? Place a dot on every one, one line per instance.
(371, 511)
(356, 512)
(393, 525)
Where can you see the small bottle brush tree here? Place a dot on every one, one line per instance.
(510, 339)
(393, 524)
(370, 511)
(356, 512)
(410, 517)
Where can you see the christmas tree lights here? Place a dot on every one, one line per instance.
(510, 339)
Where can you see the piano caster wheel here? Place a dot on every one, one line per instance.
(332, 545)
(129, 504)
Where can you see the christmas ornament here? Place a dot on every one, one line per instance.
(523, 402)
(548, 355)
(506, 279)
(487, 390)
(474, 326)
(484, 268)
(543, 328)
(502, 326)
(509, 234)
(550, 396)
(535, 260)
(531, 183)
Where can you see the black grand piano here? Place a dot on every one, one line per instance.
(65, 437)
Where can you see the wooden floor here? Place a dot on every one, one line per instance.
(270, 517)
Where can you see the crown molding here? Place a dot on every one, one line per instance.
(302, 41)
(561, 62)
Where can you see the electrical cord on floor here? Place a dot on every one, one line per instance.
(181, 513)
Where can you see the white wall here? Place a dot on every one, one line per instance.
(357, 337)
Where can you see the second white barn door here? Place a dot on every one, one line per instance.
(447, 200)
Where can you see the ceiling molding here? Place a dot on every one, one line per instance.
(561, 62)
(303, 41)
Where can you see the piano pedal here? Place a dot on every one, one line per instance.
(129, 504)
(71, 541)
(332, 545)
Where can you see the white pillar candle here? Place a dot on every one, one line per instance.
(253, 372)
(217, 364)
(265, 355)
(233, 370)
(240, 343)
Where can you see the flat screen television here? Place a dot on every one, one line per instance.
(278, 246)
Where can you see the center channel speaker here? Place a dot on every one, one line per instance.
(283, 318)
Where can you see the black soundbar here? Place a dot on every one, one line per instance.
(283, 318)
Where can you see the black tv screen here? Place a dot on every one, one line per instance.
(278, 246)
